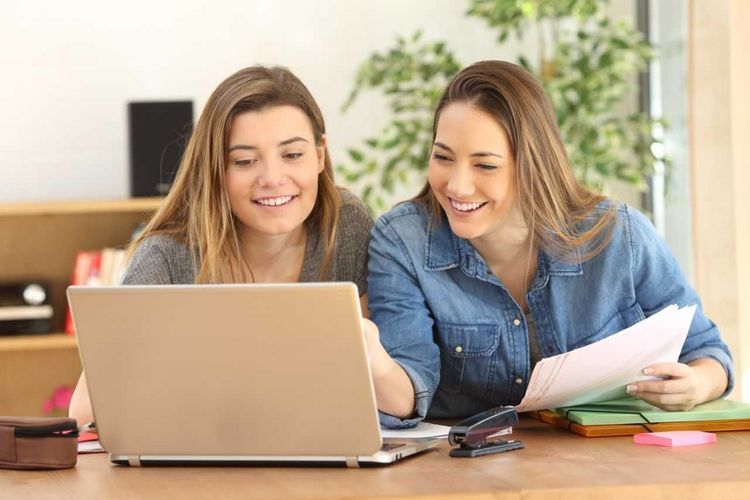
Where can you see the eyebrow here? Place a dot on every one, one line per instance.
(282, 143)
(477, 154)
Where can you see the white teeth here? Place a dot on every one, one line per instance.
(274, 202)
(465, 207)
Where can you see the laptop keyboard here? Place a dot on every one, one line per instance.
(391, 446)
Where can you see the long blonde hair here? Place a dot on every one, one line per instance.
(197, 212)
(552, 202)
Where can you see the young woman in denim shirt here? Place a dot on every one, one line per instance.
(505, 258)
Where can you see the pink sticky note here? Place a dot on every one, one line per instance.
(675, 438)
(87, 436)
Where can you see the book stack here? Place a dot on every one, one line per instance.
(96, 267)
(625, 417)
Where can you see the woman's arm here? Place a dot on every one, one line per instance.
(405, 359)
(393, 389)
(80, 404)
(704, 371)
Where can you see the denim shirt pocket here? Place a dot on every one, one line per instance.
(619, 321)
(466, 357)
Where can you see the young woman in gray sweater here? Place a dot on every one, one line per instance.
(254, 201)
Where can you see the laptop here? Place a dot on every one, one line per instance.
(231, 374)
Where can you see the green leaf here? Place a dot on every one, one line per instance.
(356, 154)
(588, 71)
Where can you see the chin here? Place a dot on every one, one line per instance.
(278, 229)
(465, 231)
(274, 226)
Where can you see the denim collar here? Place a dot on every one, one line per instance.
(444, 250)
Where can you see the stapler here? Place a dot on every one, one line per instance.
(474, 433)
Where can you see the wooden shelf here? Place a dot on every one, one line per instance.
(40, 242)
(82, 207)
(37, 342)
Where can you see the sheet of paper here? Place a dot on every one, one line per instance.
(422, 430)
(601, 371)
(90, 447)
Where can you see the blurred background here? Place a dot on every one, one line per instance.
(650, 97)
(70, 70)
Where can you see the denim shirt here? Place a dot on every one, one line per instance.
(463, 340)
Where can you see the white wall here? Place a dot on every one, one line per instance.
(67, 70)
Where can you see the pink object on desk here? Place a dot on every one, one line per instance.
(675, 438)
(87, 436)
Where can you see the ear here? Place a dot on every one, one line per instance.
(321, 152)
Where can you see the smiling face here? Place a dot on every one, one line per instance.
(272, 170)
(471, 171)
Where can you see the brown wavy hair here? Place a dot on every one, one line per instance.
(564, 217)
(197, 212)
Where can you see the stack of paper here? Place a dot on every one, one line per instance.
(601, 371)
(421, 431)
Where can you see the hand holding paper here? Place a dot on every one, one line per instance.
(601, 371)
(675, 390)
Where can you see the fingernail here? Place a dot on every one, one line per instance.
(631, 388)
(648, 371)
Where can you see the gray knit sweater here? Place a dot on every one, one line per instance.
(161, 260)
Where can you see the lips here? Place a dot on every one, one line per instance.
(275, 201)
(466, 206)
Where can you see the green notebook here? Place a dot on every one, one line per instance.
(636, 411)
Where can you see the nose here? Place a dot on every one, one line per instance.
(271, 174)
(461, 183)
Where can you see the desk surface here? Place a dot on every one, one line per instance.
(554, 464)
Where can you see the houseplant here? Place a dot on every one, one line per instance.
(586, 62)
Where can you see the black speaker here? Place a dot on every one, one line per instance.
(25, 308)
(159, 132)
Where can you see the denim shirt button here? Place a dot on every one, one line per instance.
(459, 349)
(519, 381)
(516, 322)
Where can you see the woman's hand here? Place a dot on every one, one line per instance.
(393, 389)
(677, 391)
(682, 386)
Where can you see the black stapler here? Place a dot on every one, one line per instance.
(473, 434)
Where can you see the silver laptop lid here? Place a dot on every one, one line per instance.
(227, 369)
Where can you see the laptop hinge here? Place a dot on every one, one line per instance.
(134, 461)
(352, 462)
